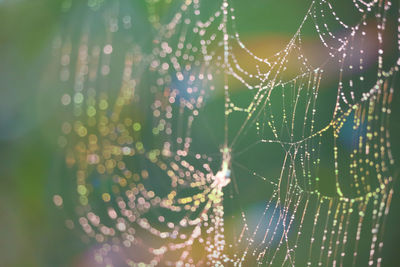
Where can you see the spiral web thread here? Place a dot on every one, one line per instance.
(158, 201)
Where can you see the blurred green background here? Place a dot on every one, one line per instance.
(32, 229)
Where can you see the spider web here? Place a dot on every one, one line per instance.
(173, 165)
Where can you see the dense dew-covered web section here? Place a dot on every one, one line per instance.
(188, 143)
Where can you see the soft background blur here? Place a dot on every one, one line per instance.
(32, 231)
